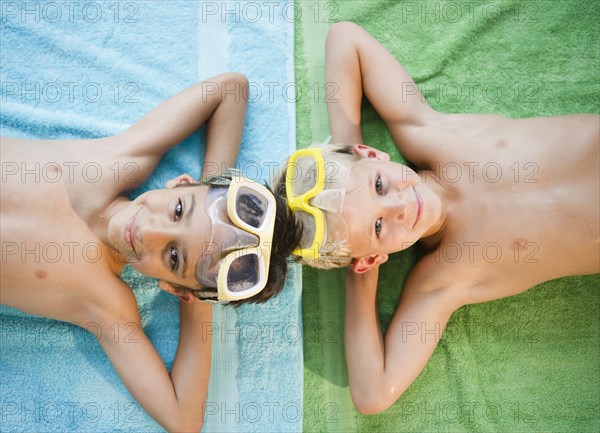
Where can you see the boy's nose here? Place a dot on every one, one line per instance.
(155, 232)
(395, 207)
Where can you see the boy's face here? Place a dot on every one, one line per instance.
(387, 208)
(163, 233)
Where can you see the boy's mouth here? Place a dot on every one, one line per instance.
(129, 233)
(419, 202)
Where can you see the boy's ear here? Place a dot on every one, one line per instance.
(366, 263)
(369, 152)
(183, 295)
(181, 179)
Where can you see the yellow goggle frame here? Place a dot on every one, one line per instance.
(300, 202)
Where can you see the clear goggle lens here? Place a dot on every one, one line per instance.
(243, 218)
(243, 273)
(315, 193)
(305, 175)
(251, 207)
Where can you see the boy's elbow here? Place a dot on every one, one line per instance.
(372, 401)
(343, 28)
(185, 426)
(342, 32)
(184, 420)
(370, 407)
(230, 83)
(235, 78)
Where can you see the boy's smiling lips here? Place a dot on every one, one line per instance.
(419, 206)
(129, 232)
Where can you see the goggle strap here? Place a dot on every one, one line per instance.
(205, 295)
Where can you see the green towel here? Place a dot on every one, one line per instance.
(525, 363)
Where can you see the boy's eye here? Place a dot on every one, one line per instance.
(174, 259)
(178, 210)
(378, 185)
(378, 227)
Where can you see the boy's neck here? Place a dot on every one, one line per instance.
(447, 198)
(100, 225)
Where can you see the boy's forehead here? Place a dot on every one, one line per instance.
(193, 187)
(364, 169)
(196, 204)
(360, 174)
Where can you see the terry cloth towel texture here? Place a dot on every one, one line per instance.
(526, 363)
(91, 69)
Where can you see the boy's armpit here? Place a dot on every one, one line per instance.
(431, 277)
(109, 310)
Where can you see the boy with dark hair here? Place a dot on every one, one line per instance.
(195, 240)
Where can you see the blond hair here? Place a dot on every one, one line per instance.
(337, 255)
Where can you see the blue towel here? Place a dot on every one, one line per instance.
(91, 69)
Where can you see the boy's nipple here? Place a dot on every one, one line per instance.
(519, 244)
(40, 274)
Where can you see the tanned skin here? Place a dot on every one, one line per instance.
(83, 286)
(534, 228)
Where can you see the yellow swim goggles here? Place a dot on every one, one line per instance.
(315, 193)
(298, 196)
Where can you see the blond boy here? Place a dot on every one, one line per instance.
(487, 234)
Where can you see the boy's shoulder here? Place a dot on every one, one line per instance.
(430, 275)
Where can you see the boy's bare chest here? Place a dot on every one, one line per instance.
(50, 257)
(506, 236)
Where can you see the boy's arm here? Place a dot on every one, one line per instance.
(381, 368)
(176, 400)
(355, 63)
(220, 102)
